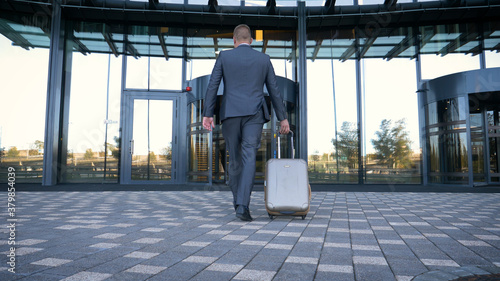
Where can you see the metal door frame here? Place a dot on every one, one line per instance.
(127, 133)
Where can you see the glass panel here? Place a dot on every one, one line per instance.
(152, 137)
(333, 137)
(198, 144)
(449, 42)
(477, 139)
(448, 158)
(137, 73)
(93, 139)
(456, 161)
(165, 75)
(492, 59)
(391, 122)
(434, 154)
(140, 141)
(160, 139)
(23, 89)
(219, 156)
(494, 144)
(492, 43)
(434, 66)
(198, 156)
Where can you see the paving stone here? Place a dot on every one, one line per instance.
(195, 235)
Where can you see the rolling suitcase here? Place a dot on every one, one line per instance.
(286, 186)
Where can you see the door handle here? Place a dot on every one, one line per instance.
(131, 147)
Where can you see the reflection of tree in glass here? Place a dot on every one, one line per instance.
(13, 152)
(71, 155)
(116, 148)
(2, 153)
(315, 158)
(36, 147)
(152, 157)
(88, 154)
(166, 152)
(392, 145)
(346, 145)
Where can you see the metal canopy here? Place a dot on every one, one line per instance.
(157, 29)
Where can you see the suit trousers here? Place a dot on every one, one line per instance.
(242, 136)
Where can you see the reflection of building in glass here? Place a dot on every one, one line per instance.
(108, 99)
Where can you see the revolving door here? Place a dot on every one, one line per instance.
(461, 135)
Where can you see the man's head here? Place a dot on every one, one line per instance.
(242, 34)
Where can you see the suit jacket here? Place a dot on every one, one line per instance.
(244, 72)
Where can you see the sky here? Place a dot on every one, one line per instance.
(390, 93)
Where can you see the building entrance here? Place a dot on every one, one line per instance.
(485, 136)
(149, 138)
(462, 128)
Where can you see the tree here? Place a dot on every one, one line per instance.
(116, 152)
(152, 157)
(110, 149)
(166, 152)
(384, 144)
(88, 154)
(36, 147)
(315, 158)
(2, 153)
(402, 148)
(346, 145)
(13, 152)
(392, 145)
(324, 157)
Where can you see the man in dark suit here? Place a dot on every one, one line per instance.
(243, 111)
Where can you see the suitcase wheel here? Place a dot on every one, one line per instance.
(270, 216)
(303, 217)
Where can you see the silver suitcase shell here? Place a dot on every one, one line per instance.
(286, 187)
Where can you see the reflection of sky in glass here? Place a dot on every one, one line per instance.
(152, 126)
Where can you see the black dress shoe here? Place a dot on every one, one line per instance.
(243, 213)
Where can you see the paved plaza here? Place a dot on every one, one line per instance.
(194, 235)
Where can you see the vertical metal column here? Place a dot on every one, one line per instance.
(54, 98)
(482, 55)
(469, 140)
(421, 110)
(359, 100)
(486, 145)
(302, 99)
(68, 62)
(124, 144)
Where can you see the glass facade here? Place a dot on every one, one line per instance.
(361, 110)
(23, 91)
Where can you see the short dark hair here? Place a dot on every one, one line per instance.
(242, 33)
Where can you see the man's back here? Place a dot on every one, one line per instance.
(244, 72)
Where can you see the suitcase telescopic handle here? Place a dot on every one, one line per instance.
(279, 145)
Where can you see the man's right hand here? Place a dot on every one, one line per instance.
(284, 127)
(208, 123)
